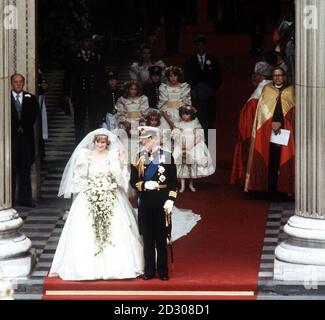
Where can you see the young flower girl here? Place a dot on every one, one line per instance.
(192, 157)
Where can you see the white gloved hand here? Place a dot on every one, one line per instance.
(151, 185)
(169, 204)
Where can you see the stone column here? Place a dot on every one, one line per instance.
(302, 256)
(15, 257)
(23, 60)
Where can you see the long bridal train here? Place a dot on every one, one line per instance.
(183, 221)
(75, 256)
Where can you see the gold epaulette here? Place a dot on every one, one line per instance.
(140, 166)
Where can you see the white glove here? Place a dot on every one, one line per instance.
(169, 204)
(151, 185)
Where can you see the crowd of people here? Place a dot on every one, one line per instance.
(180, 101)
(169, 109)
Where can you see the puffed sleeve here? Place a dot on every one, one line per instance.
(161, 64)
(197, 124)
(163, 97)
(186, 94)
(80, 172)
(120, 110)
(134, 71)
(119, 169)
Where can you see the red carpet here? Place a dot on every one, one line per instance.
(220, 258)
(221, 254)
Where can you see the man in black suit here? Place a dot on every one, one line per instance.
(24, 114)
(202, 72)
(154, 177)
(84, 83)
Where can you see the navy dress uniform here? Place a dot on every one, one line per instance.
(154, 177)
(84, 82)
(151, 89)
(110, 95)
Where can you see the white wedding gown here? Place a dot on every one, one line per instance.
(75, 255)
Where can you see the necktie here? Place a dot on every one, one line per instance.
(18, 106)
(202, 62)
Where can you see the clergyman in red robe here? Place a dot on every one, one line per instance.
(271, 167)
(262, 72)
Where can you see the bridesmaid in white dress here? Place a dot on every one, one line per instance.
(192, 156)
(131, 107)
(139, 71)
(75, 257)
(172, 96)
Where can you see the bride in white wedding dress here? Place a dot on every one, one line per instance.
(77, 256)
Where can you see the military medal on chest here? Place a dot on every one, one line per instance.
(161, 168)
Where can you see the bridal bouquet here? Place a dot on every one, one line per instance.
(101, 195)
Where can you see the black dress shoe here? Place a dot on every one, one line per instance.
(147, 276)
(163, 277)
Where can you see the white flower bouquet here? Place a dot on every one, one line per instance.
(101, 195)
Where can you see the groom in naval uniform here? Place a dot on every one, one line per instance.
(154, 177)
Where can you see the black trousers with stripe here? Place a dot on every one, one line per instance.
(153, 228)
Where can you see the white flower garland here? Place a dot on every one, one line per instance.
(101, 195)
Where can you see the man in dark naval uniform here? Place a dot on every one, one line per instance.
(154, 177)
(151, 89)
(111, 94)
(84, 82)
